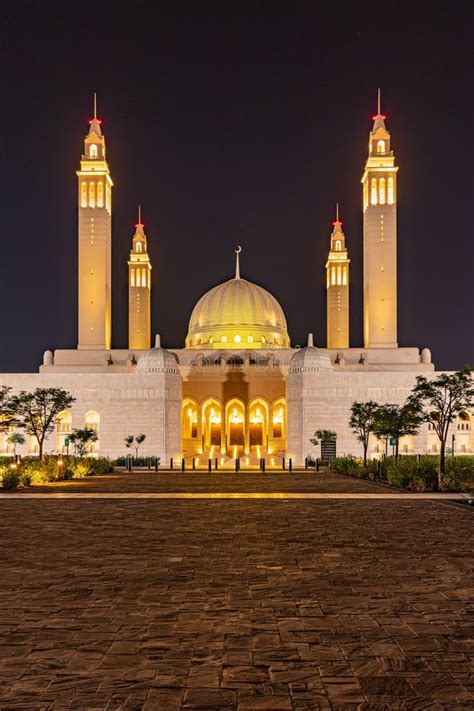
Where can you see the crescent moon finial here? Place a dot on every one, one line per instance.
(237, 261)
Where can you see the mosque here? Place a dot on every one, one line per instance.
(237, 388)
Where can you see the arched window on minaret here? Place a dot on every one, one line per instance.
(93, 150)
(339, 279)
(107, 198)
(143, 277)
(333, 275)
(366, 195)
(139, 246)
(132, 277)
(380, 147)
(344, 276)
(149, 279)
(84, 194)
(382, 191)
(91, 194)
(390, 192)
(100, 194)
(338, 245)
(373, 191)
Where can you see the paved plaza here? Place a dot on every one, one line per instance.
(235, 604)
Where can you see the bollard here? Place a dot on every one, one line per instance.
(171, 463)
(283, 463)
(156, 464)
(194, 463)
(149, 462)
(216, 464)
(183, 465)
(317, 464)
(209, 465)
(236, 464)
(306, 463)
(263, 465)
(290, 464)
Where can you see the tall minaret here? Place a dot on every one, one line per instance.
(139, 291)
(95, 242)
(337, 288)
(379, 193)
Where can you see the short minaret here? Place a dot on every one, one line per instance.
(95, 242)
(337, 288)
(379, 191)
(139, 291)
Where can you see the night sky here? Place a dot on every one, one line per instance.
(235, 123)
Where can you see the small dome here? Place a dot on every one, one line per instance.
(310, 359)
(425, 356)
(48, 358)
(237, 314)
(158, 360)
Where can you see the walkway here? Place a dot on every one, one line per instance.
(235, 604)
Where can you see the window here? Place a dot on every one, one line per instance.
(380, 147)
(132, 277)
(92, 422)
(366, 195)
(223, 339)
(91, 194)
(344, 276)
(93, 151)
(382, 191)
(139, 246)
(143, 277)
(390, 192)
(333, 275)
(100, 194)
(338, 245)
(339, 278)
(373, 191)
(108, 198)
(83, 194)
(250, 339)
(237, 339)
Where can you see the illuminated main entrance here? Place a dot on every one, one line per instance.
(233, 428)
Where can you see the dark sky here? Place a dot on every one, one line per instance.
(235, 123)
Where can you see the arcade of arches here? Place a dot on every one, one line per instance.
(234, 427)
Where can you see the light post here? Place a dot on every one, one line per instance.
(453, 441)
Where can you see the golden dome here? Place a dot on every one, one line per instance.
(237, 314)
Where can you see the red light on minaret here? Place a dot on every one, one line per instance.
(381, 116)
(99, 121)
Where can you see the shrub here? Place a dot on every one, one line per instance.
(10, 479)
(137, 461)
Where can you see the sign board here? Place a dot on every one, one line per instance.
(392, 441)
(328, 449)
(66, 442)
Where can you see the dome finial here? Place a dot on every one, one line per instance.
(157, 341)
(310, 340)
(237, 262)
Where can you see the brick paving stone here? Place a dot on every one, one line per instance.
(235, 604)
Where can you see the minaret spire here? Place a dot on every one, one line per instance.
(378, 101)
(237, 262)
(139, 214)
(95, 105)
(337, 212)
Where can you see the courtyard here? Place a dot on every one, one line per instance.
(209, 603)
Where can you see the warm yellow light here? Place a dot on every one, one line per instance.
(235, 451)
(237, 338)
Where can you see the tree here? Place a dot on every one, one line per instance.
(134, 441)
(15, 439)
(361, 422)
(36, 412)
(83, 439)
(323, 436)
(396, 421)
(7, 415)
(440, 401)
